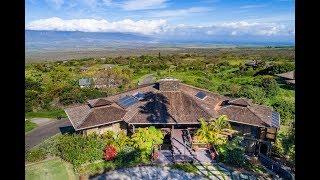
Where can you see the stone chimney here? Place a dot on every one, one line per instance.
(169, 84)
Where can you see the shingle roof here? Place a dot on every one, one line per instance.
(174, 107)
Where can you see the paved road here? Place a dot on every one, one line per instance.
(41, 133)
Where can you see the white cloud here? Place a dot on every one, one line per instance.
(179, 12)
(160, 27)
(92, 25)
(143, 4)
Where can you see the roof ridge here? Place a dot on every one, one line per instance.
(84, 119)
(257, 115)
(202, 89)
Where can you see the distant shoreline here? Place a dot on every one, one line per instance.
(56, 55)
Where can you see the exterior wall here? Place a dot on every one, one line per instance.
(115, 127)
(246, 129)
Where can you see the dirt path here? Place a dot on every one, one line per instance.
(41, 133)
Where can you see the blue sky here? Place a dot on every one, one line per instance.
(167, 18)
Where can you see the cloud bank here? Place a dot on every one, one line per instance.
(161, 28)
(146, 27)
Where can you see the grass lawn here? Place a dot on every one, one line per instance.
(50, 169)
(46, 114)
(28, 126)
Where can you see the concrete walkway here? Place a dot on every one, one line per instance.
(39, 134)
(146, 173)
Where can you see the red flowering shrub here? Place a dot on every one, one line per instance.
(110, 152)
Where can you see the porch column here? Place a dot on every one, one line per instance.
(133, 128)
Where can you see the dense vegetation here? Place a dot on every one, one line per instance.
(107, 151)
(54, 85)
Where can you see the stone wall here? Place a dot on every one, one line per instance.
(115, 127)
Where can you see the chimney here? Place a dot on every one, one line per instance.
(169, 84)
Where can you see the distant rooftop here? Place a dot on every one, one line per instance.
(287, 75)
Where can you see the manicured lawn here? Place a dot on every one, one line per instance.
(46, 114)
(49, 169)
(28, 126)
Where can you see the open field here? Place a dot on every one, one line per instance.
(67, 55)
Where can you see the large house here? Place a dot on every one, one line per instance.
(175, 105)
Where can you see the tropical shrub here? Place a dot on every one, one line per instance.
(211, 132)
(232, 153)
(110, 152)
(145, 139)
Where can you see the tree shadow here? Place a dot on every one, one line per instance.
(156, 107)
(66, 129)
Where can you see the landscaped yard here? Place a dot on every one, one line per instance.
(50, 169)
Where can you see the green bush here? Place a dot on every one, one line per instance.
(145, 138)
(255, 93)
(269, 85)
(35, 155)
(232, 153)
(286, 109)
(78, 149)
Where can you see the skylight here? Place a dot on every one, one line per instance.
(139, 95)
(201, 95)
(127, 101)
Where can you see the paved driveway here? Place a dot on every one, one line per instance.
(41, 133)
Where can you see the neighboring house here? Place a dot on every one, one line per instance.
(85, 82)
(288, 77)
(172, 104)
